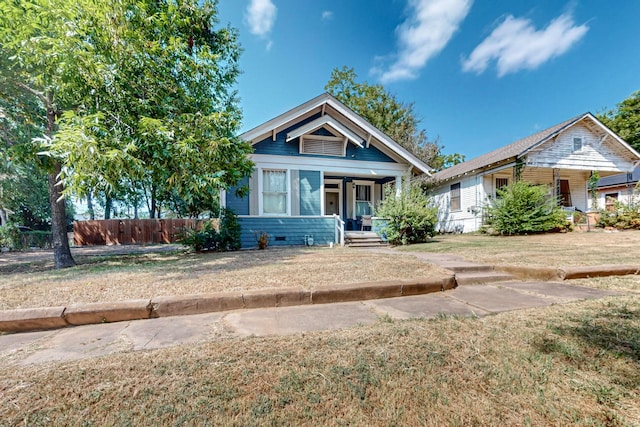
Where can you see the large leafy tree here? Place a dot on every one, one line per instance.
(383, 110)
(131, 95)
(625, 120)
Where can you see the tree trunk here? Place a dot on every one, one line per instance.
(61, 249)
(92, 214)
(108, 203)
(3, 217)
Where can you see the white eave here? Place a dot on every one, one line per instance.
(328, 121)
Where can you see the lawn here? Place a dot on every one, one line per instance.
(548, 250)
(571, 364)
(145, 275)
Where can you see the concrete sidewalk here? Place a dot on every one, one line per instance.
(102, 339)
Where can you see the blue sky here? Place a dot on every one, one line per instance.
(482, 74)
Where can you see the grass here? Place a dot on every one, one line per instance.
(571, 364)
(574, 364)
(549, 250)
(142, 276)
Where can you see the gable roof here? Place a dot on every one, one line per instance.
(521, 148)
(340, 118)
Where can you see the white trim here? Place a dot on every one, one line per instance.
(334, 139)
(332, 190)
(319, 102)
(320, 122)
(333, 166)
(260, 192)
(371, 186)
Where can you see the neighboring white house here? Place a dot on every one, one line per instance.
(617, 188)
(562, 157)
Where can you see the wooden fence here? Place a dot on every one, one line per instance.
(130, 231)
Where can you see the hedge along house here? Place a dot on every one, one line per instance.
(561, 157)
(318, 169)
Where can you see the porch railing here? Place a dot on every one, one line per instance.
(339, 227)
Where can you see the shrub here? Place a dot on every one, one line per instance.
(411, 217)
(10, 238)
(524, 208)
(622, 216)
(221, 237)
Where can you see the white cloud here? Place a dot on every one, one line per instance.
(260, 17)
(422, 35)
(327, 15)
(517, 45)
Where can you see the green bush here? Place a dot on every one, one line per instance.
(221, 237)
(411, 217)
(524, 208)
(623, 216)
(10, 238)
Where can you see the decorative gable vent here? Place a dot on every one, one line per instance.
(323, 145)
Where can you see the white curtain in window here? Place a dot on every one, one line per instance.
(363, 200)
(274, 192)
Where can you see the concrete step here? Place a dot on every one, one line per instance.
(467, 267)
(368, 244)
(475, 278)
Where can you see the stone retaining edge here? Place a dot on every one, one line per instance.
(568, 273)
(31, 319)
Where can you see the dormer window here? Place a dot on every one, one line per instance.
(577, 144)
(323, 145)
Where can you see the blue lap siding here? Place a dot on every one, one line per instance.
(310, 185)
(292, 229)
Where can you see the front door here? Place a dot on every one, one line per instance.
(331, 203)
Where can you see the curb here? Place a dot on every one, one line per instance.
(46, 318)
(568, 273)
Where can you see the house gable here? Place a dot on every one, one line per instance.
(584, 145)
(282, 145)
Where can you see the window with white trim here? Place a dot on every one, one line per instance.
(577, 144)
(363, 200)
(274, 192)
(500, 184)
(454, 203)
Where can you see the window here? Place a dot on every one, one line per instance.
(577, 144)
(501, 183)
(454, 204)
(610, 200)
(363, 200)
(274, 192)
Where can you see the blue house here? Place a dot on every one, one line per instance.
(319, 168)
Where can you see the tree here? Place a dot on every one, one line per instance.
(625, 120)
(129, 94)
(383, 110)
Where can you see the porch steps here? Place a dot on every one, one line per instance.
(363, 239)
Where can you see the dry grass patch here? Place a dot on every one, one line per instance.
(122, 277)
(549, 250)
(575, 364)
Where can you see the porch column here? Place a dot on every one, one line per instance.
(398, 186)
(556, 182)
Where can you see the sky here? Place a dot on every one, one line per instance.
(481, 74)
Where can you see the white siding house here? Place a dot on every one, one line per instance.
(561, 157)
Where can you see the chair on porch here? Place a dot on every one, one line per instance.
(365, 222)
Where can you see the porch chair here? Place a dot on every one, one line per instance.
(365, 222)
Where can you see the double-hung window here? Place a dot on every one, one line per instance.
(454, 204)
(274, 192)
(363, 200)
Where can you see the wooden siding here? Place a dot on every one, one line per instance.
(130, 231)
(466, 219)
(281, 147)
(595, 155)
(240, 205)
(292, 229)
(310, 197)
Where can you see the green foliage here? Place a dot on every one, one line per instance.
(10, 238)
(622, 216)
(383, 110)
(625, 120)
(13, 239)
(411, 218)
(218, 236)
(524, 208)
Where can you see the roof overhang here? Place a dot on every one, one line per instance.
(322, 121)
(321, 104)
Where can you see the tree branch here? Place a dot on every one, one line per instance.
(41, 96)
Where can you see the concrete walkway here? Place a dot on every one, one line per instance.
(102, 339)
